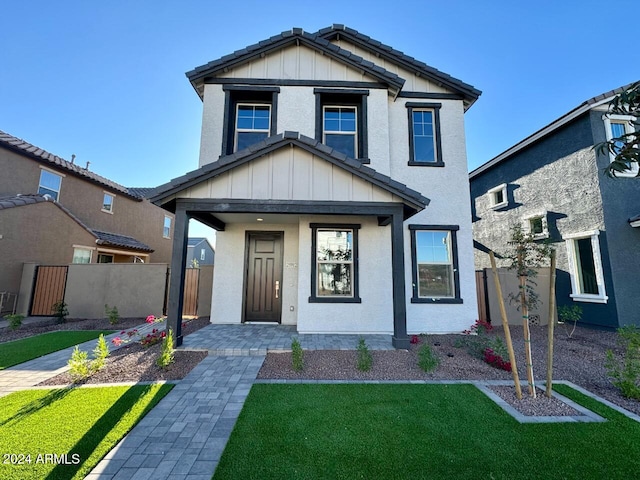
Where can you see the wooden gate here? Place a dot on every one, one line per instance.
(482, 296)
(49, 289)
(190, 303)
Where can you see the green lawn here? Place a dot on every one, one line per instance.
(417, 431)
(83, 423)
(19, 351)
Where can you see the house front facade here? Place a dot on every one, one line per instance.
(334, 169)
(553, 184)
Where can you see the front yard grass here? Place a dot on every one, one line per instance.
(83, 423)
(25, 349)
(417, 431)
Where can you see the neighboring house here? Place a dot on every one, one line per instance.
(199, 252)
(320, 153)
(553, 184)
(110, 223)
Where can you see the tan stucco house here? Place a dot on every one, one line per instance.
(334, 170)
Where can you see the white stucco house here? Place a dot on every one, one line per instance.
(334, 169)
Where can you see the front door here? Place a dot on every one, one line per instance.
(263, 287)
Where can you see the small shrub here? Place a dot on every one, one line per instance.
(167, 356)
(15, 320)
(112, 314)
(427, 361)
(365, 359)
(79, 365)
(59, 310)
(571, 313)
(100, 354)
(625, 373)
(297, 360)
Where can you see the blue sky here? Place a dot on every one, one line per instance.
(105, 80)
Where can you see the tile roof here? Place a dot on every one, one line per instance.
(11, 201)
(25, 148)
(275, 142)
(296, 35)
(107, 238)
(471, 93)
(141, 192)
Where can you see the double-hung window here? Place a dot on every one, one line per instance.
(585, 267)
(615, 127)
(166, 229)
(81, 255)
(49, 184)
(107, 202)
(250, 116)
(334, 267)
(425, 148)
(434, 256)
(341, 121)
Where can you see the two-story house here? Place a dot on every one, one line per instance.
(553, 184)
(55, 211)
(199, 252)
(334, 169)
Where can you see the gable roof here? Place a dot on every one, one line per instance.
(141, 192)
(102, 238)
(193, 241)
(294, 36)
(550, 128)
(469, 93)
(24, 148)
(412, 198)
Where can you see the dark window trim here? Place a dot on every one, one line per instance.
(436, 118)
(436, 96)
(414, 265)
(286, 82)
(229, 123)
(313, 298)
(331, 96)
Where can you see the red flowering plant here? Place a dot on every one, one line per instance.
(150, 339)
(480, 344)
(495, 360)
(415, 339)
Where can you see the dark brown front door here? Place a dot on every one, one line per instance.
(264, 277)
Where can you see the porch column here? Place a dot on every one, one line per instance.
(176, 278)
(400, 338)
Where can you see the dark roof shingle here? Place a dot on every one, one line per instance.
(107, 238)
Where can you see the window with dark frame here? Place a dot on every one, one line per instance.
(334, 264)
(425, 147)
(434, 258)
(341, 121)
(250, 116)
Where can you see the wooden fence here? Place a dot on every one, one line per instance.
(49, 289)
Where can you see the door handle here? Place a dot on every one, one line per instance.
(277, 288)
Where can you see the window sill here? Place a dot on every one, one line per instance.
(589, 298)
(110, 212)
(541, 236)
(335, 300)
(498, 206)
(425, 164)
(436, 300)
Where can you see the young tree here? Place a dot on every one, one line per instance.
(625, 148)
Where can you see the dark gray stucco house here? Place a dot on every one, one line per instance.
(199, 252)
(553, 184)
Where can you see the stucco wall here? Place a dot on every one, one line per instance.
(558, 175)
(137, 290)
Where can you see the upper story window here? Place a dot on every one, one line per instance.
(107, 202)
(425, 148)
(166, 230)
(203, 254)
(334, 267)
(585, 267)
(434, 255)
(615, 127)
(252, 124)
(498, 196)
(536, 226)
(341, 121)
(49, 184)
(250, 116)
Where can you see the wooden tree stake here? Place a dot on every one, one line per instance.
(552, 322)
(505, 326)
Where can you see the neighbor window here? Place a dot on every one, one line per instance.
(250, 116)
(536, 226)
(107, 202)
(498, 196)
(166, 230)
(81, 255)
(435, 264)
(203, 254)
(424, 134)
(585, 267)
(334, 263)
(616, 126)
(105, 258)
(341, 121)
(49, 184)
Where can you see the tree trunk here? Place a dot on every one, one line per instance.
(552, 322)
(525, 326)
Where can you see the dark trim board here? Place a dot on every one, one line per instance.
(295, 83)
(435, 107)
(429, 96)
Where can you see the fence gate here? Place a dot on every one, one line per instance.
(190, 302)
(48, 289)
(482, 296)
